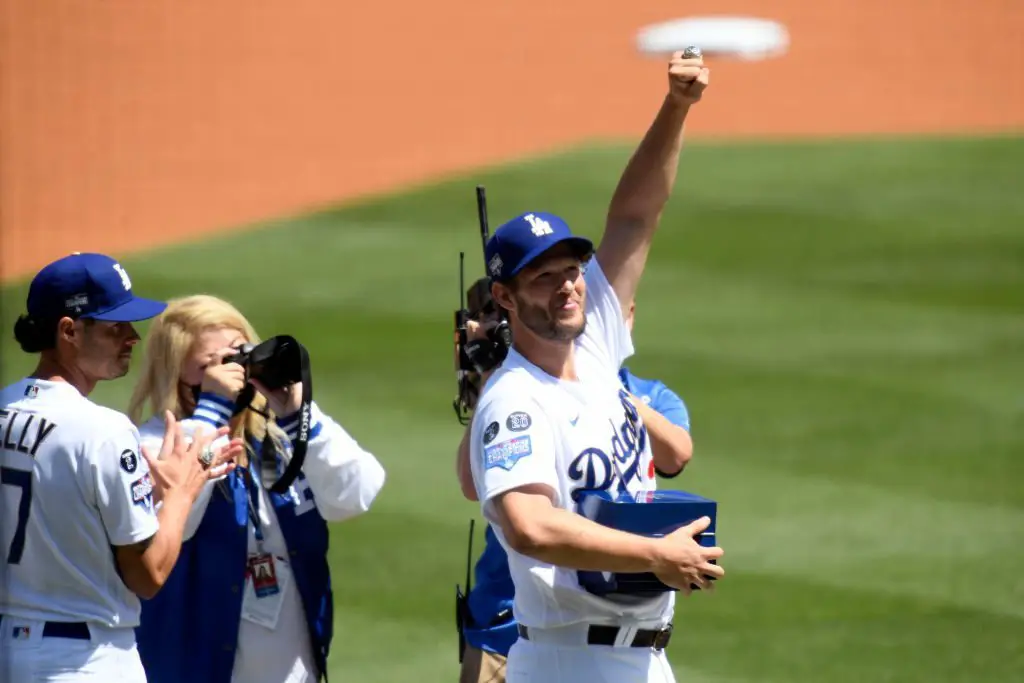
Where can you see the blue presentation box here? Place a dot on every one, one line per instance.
(650, 513)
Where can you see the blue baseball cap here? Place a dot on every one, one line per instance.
(521, 240)
(88, 286)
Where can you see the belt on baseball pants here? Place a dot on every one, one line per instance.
(656, 639)
(75, 630)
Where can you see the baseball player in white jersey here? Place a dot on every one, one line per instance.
(554, 423)
(89, 522)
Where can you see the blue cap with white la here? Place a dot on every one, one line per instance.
(521, 240)
(88, 286)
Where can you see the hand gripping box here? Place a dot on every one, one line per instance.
(649, 513)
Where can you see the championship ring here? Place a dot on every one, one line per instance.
(206, 457)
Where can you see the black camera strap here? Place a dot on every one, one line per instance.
(294, 466)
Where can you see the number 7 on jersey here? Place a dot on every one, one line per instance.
(21, 479)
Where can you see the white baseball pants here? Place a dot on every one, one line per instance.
(109, 656)
(542, 661)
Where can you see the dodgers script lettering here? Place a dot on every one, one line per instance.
(595, 470)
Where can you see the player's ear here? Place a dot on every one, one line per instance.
(67, 330)
(502, 295)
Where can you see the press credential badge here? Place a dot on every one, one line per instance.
(265, 586)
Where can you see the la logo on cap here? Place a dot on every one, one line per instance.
(538, 226)
(125, 280)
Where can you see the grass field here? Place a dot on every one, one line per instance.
(845, 323)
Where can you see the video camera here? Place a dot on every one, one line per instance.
(477, 356)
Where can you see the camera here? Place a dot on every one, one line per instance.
(275, 363)
(477, 356)
(482, 355)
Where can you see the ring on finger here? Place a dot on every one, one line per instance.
(206, 456)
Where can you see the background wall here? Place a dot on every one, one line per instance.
(127, 124)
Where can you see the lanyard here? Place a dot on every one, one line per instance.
(253, 495)
(253, 490)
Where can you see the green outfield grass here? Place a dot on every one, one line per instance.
(846, 324)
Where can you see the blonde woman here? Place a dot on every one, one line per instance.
(250, 599)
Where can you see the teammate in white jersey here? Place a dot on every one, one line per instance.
(554, 423)
(81, 538)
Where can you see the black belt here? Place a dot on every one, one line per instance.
(77, 630)
(607, 635)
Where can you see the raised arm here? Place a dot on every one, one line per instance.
(647, 181)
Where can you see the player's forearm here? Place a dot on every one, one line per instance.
(159, 558)
(671, 445)
(566, 539)
(464, 470)
(646, 183)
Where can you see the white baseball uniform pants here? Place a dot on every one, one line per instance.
(109, 656)
(551, 657)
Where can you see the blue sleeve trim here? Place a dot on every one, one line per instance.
(218, 399)
(206, 420)
(213, 410)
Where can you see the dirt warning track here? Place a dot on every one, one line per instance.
(127, 125)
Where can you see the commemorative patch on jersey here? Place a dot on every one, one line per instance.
(491, 432)
(518, 422)
(129, 461)
(507, 453)
(142, 489)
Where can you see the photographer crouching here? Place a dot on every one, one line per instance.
(250, 598)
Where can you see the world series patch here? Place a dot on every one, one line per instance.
(507, 453)
(142, 489)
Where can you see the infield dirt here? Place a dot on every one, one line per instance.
(128, 125)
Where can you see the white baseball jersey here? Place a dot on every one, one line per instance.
(575, 437)
(74, 484)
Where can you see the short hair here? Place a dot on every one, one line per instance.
(36, 335)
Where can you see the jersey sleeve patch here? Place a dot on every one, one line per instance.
(518, 421)
(491, 432)
(129, 461)
(142, 490)
(507, 453)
